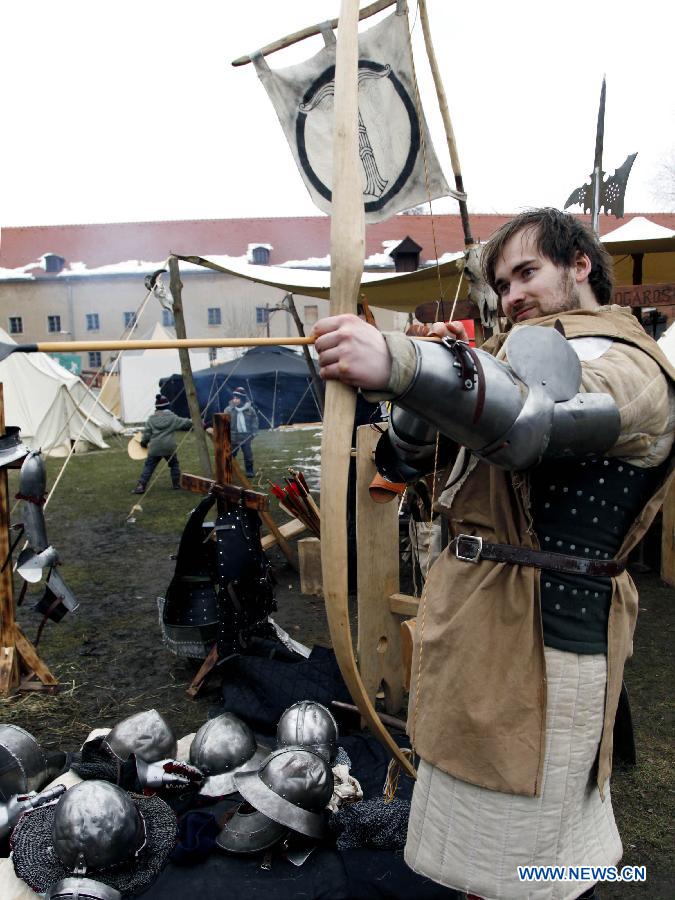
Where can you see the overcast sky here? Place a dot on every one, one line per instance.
(131, 111)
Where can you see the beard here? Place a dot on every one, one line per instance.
(570, 298)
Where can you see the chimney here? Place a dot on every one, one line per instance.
(53, 263)
(406, 255)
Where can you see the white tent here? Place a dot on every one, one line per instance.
(50, 405)
(140, 371)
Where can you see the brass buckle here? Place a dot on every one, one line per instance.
(468, 548)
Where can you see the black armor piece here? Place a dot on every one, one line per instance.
(190, 613)
(246, 593)
(584, 508)
(222, 589)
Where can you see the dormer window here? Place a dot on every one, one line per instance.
(259, 254)
(53, 263)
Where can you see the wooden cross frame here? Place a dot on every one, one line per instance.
(20, 666)
(226, 494)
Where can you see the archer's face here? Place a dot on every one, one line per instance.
(530, 285)
(236, 401)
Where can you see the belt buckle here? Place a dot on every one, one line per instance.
(468, 548)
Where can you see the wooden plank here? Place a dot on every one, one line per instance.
(379, 636)
(32, 661)
(204, 672)
(9, 671)
(407, 637)
(228, 492)
(668, 537)
(403, 604)
(644, 295)
(309, 559)
(289, 529)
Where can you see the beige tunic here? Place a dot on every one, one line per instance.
(478, 696)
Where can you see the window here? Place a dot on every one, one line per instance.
(214, 315)
(93, 323)
(167, 318)
(261, 315)
(15, 325)
(129, 319)
(95, 359)
(53, 324)
(311, 314)
(213, 354)
(260, 256)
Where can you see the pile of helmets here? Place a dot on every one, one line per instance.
(286, 790)
(98, 841)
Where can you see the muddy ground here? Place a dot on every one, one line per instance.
(110, 660)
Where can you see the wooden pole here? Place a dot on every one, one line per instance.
(447, 123)
(314, 375)
(186, 369)
(9, 663)
(311, 30)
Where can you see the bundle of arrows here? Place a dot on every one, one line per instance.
(297, 500)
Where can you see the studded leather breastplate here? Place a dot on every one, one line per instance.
(584, 508)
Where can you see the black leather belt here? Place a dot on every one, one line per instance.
(472, 549)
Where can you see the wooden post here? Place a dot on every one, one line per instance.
(309, 559)
(313, 374)
(9, 664)
(17, 655)
(379, 634)
(176, 286)
(223, 489)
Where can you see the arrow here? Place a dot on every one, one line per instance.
(75, 346)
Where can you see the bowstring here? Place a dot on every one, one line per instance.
(422, 607)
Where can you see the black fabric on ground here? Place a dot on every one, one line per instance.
(328, 874)
(258, 688)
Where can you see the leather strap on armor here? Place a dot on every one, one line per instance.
(473, 549)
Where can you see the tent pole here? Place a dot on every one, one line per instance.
(314, 375)
(176, 287)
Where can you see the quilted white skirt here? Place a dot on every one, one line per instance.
(473, 839)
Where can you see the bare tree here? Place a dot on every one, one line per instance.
(663, 182)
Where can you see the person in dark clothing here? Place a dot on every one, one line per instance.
(243, 426)
(159, 436)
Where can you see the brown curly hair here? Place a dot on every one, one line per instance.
(559, 237)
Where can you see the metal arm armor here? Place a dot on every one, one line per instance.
(510, 414)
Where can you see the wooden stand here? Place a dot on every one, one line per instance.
(309, 557)
(20, 666)
(226, 493)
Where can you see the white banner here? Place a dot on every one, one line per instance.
(391, 126)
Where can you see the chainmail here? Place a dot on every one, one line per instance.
(98, 761)
(342, 758)
(36, 862)
(372, 823)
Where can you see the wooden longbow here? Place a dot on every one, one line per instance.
(347, 255)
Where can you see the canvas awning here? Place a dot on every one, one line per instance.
(643, 237)
(398, 291)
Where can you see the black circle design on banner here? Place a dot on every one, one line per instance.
(325, 78)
